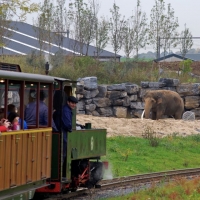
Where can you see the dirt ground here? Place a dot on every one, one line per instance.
(137, 127)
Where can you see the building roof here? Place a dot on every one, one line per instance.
(23, 40)
(177, 57)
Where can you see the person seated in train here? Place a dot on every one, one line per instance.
(4, 124)
(13, 118)
(12, 108)
(30, 110)
(2, 113)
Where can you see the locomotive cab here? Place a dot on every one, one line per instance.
(85, 146)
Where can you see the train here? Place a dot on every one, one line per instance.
(31, 160)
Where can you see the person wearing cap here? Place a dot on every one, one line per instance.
(30, 110)
(67, 121)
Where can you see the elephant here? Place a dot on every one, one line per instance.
(163, 102)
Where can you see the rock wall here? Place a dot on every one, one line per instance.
(125, 100)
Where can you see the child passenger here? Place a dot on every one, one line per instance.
(4, 124)
(12, 108)
(13, 117)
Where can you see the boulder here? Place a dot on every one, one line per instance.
(192, 102)
(132, 88)
(90, 107)
(113, 95)
(169, 82)
(102, 91)
(137, 105)
(91, 93)
(80, 89)
(117, 102)
(119, 87)
(126, 101)
(89, 83)
(188, 89)
(80, 105)
(133, 97)
(88, 101)
(102, 102)
(120, 112)
(105, 112)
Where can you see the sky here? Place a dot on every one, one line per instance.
(187, 12)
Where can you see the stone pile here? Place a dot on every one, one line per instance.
(125, 99)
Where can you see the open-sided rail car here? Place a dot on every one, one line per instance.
(31, 159)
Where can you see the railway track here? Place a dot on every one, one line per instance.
(135, 182)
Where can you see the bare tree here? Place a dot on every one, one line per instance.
(85, 17)
(60, 22)
(41, 37)
(140, 29)
(135, 33)
(61, 27)
(129, 36)
(101, 35)
(117, 26)
(160, 23)
(44, 27)
(170, 30)
(77, 13)
(186, 41)
(47, 21)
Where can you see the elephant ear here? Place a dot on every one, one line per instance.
(158, 99)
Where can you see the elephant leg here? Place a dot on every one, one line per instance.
(178, 116)
(153, 115)
(159, 115)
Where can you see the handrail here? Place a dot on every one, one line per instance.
(26, 131)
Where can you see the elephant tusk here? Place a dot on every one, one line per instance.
(142, 116)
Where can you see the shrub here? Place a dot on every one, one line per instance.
(151, 136)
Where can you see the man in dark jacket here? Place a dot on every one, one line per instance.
(67, 121)
(30, 110)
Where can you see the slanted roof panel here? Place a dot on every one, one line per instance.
(70, 46)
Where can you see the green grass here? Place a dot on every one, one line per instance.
(131, 156)
(180, 189)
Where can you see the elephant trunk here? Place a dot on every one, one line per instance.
(147, 109)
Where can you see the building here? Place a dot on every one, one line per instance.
(177, 57)
(22, 39)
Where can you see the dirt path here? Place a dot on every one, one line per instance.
(137, 127)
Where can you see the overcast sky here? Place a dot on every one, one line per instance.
(187, 11)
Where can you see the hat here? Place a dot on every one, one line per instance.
(72, 99)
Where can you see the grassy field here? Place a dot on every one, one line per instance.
(130, 155)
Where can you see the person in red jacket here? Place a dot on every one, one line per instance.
(4, 124)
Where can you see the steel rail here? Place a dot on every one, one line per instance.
(163, 176)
